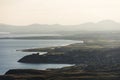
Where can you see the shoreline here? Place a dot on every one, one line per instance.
(30, 49)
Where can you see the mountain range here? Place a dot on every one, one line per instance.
(105, 25)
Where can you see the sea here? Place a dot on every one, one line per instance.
(10, 54)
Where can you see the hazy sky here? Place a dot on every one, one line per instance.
(23, 12)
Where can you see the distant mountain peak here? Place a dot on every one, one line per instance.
(35, 24)
(107, 22)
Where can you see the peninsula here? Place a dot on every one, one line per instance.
(89, 52)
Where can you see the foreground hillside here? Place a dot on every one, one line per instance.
(78, 72)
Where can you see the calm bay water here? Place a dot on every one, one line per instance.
(9, 56)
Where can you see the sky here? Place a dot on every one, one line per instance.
(66, 12)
